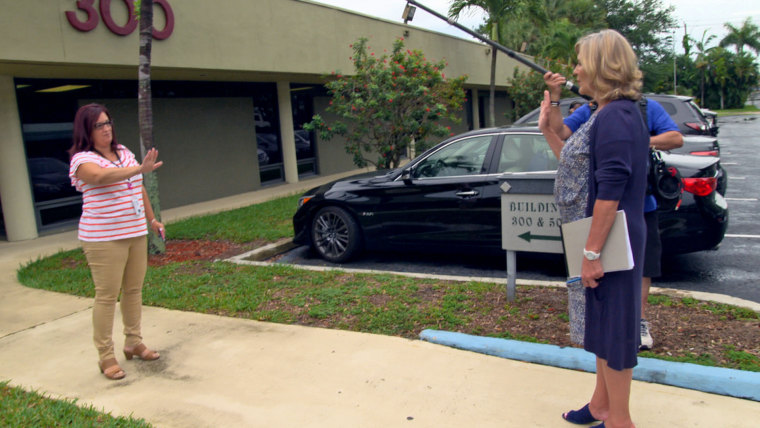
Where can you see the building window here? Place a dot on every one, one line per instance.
(302, 101)
(268, 141)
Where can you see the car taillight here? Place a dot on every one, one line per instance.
(700, 186)
(706, 153)
(701, 127)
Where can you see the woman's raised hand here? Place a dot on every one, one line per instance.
(554, 81)
(543, 117)
(150, 163)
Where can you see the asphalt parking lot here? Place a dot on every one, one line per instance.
(731, 269)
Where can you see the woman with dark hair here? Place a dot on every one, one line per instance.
(116, 214)
(616, 159)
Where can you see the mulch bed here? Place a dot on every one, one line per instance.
(183, 250)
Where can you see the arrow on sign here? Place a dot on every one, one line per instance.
(528, 236)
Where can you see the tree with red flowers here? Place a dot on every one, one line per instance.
(391, 102)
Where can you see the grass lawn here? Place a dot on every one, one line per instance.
(19, 408)
(745, 110)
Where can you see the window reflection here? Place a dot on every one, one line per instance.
(464, 157)
(302, 101)
(523, 153)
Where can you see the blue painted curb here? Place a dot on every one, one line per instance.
(716, 380)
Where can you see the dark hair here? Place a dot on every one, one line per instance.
(84, 123)
(575, 103)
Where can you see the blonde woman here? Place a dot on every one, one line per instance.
(618, 149)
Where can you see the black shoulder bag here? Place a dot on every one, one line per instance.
(664, 182)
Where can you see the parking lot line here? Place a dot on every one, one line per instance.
(741, 236)
(742, 199)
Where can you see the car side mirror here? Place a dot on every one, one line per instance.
(406, 175)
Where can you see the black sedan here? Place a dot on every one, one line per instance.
(448, 199)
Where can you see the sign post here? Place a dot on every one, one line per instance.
(529, 218)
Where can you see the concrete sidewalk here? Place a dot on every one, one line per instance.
(217, 371)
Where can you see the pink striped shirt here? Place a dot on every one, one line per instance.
(108, 211)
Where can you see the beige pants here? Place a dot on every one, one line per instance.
(117, 266)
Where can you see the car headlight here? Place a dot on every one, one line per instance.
(304, 199)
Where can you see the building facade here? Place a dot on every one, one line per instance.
(233, 82)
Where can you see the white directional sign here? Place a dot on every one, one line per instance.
(530, 223)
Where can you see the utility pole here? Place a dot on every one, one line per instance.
(675, 83)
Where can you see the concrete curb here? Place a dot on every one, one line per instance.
(716, 380)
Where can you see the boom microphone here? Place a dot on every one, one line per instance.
(512, 54)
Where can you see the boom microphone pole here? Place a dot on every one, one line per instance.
(512, 54)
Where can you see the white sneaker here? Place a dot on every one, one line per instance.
(646, 337)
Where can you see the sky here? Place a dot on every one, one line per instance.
(699, 15)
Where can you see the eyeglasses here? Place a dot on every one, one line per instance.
(100, 125)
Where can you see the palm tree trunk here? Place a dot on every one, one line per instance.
(145, 114)
(702, 90)
(492, 96)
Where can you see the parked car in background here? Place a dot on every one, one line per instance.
(698, 145)
(685, 113)
(448, 199)
(690, 118)
(704, 145)
(699, 132)
(712, 117)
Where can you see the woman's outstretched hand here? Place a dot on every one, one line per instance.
(150, 162)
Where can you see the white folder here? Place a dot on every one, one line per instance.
(616, 253)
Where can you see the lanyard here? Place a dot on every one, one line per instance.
(117, 165)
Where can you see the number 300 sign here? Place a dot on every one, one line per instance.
(123, 30)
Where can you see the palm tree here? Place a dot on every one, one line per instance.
(550, 28)
(748, 35)
(497, 11)
(718, 71)
(702, 63)
(145, 112)
(558, 40)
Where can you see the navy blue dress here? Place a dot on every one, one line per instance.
(619, 150)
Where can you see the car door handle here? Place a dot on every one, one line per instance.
(465, 193)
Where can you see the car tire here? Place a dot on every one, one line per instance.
(335, 235)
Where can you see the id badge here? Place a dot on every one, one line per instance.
(138, 208)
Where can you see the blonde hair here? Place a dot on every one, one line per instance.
(611, 65)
